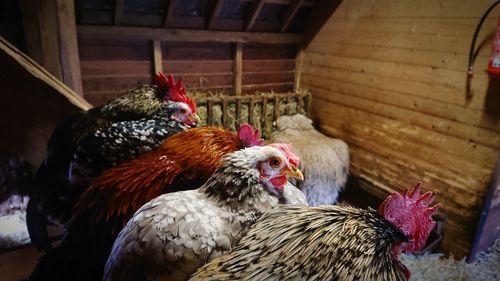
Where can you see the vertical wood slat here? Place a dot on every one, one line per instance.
(238, 112)
(119, 4)
(308, 104)
(237, 69)
(264, 112)
(251, 106)
(214, 13)
(48, 24)
(157, 57)
(254, 14)
(276, 114)
(288, 103)
(289, 14)
(224, 112)
(210, 120)
(298, 69)
(30, 15)
(300, 103)
(70, 59)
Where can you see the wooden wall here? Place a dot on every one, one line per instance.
(388, 77)
(109, 67)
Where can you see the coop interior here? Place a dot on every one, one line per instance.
(393, 80)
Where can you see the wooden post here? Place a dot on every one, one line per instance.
(237, 69)
(48, 26)
(157, 58)
(30, 17)
(298, 69)
(52, 38)
(70, 58)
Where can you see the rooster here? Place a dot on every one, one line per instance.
(329, 242)
(324, 160)
(85, 144)
(172, 235)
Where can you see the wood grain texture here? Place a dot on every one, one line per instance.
(388, 77)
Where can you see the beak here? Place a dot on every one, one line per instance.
(295, 173)
(194, 119)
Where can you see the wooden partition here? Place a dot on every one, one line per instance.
(389, 77)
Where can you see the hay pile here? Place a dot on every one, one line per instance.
(265, 125)
(436, 267)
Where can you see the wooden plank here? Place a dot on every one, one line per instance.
(169, 13)
(253, 14)
(118, 12)
(409, 41)
(224, 112)
(237, 116)
(210, 120)
(425, 9)
(432, 58)
(251, 107)
(453, 130)
(447, 93)
(214, 13)
(31, 27)
(276, 114)
(157, 58)
(289, 14)
(143, 33)
(237, 72)
(272, 65)
(105, 68)
(265, 51)
(269, 87)
(264, 110)
(452, 112)
(70, 60)
(298, 70)
(48, 23)
(268, 77)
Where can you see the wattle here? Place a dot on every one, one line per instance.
(279, 182)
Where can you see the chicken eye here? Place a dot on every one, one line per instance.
(183, 111)
(274, 162)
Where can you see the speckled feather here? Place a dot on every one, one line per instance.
(172, 235)
(312, 243)
(54, 196)
(121, 141)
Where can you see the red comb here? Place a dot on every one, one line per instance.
(176, 91)
(249, 137)
(287, 149)
(412, 214)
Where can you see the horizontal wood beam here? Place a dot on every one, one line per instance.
(185, 35)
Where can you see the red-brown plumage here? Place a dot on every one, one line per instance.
(184, 161)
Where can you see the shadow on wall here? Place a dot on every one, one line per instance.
(492, 101)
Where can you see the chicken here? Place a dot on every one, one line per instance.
(329, 242)
(85, 144)
(172, 235)
(324, 160)
(183, 161)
